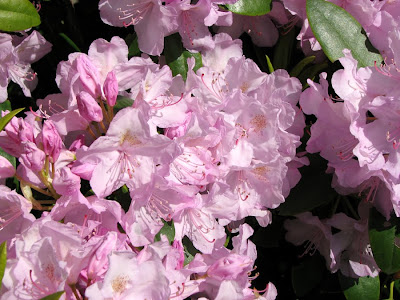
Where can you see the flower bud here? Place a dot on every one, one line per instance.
(88, 107)
(88, 75)
(110, 88)
(32, 157)
(52, 143)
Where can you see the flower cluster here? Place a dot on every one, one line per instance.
(136, 182)
(199, 154)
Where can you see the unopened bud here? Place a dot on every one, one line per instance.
(110, 88)
(88, 107)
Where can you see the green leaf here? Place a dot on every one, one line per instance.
(70, 42)
(132, 40)
(313, 190)
(121, 103)
(383, 238)
(283, 50)
(250, 7)
(307, 275)
(335, 29)
(9, 157)
(168, 230)
(176, 56)
(3, 260)
(269, 64)
(301, 65)
(311, 72)
(366, 288)
(6, 105)
(7, 118)
(17, 15)
(54, 296)
(189, 250)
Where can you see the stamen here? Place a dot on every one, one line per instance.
(313, 243)
(8, 215)
(369, 188)
(345, 148)
(135, 12)
(197, 218)
(166, 101)
(217, 87)
(179, 292)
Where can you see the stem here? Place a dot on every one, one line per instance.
(46, 165)
(48, 184)
(96, 126)
(391, 290)
(74, 290)
(27, 192)
(36, 188)
(350, 207)
(335, 206)
(105, 114)
(88, 129)
(110, 112)
(53, 170)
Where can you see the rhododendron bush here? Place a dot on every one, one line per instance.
(210, 149)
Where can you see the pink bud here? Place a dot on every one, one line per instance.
(88, 107)
(19, 130)
(33, 157)
(88, 75)
(110, 88)
(52, 143)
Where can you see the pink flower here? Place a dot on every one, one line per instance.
(15, 214)
(16, 58)
(127, 154)
(151, 19)
(128, 277)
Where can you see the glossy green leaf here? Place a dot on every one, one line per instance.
(335, 29)
(7, 118)
(365, 288)
(250, 7)
(307, 275)
(3, 260)
(54, 296)
(176, 56)
(383, 237)
(17, 15)
(168, 230)
(313, 190)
